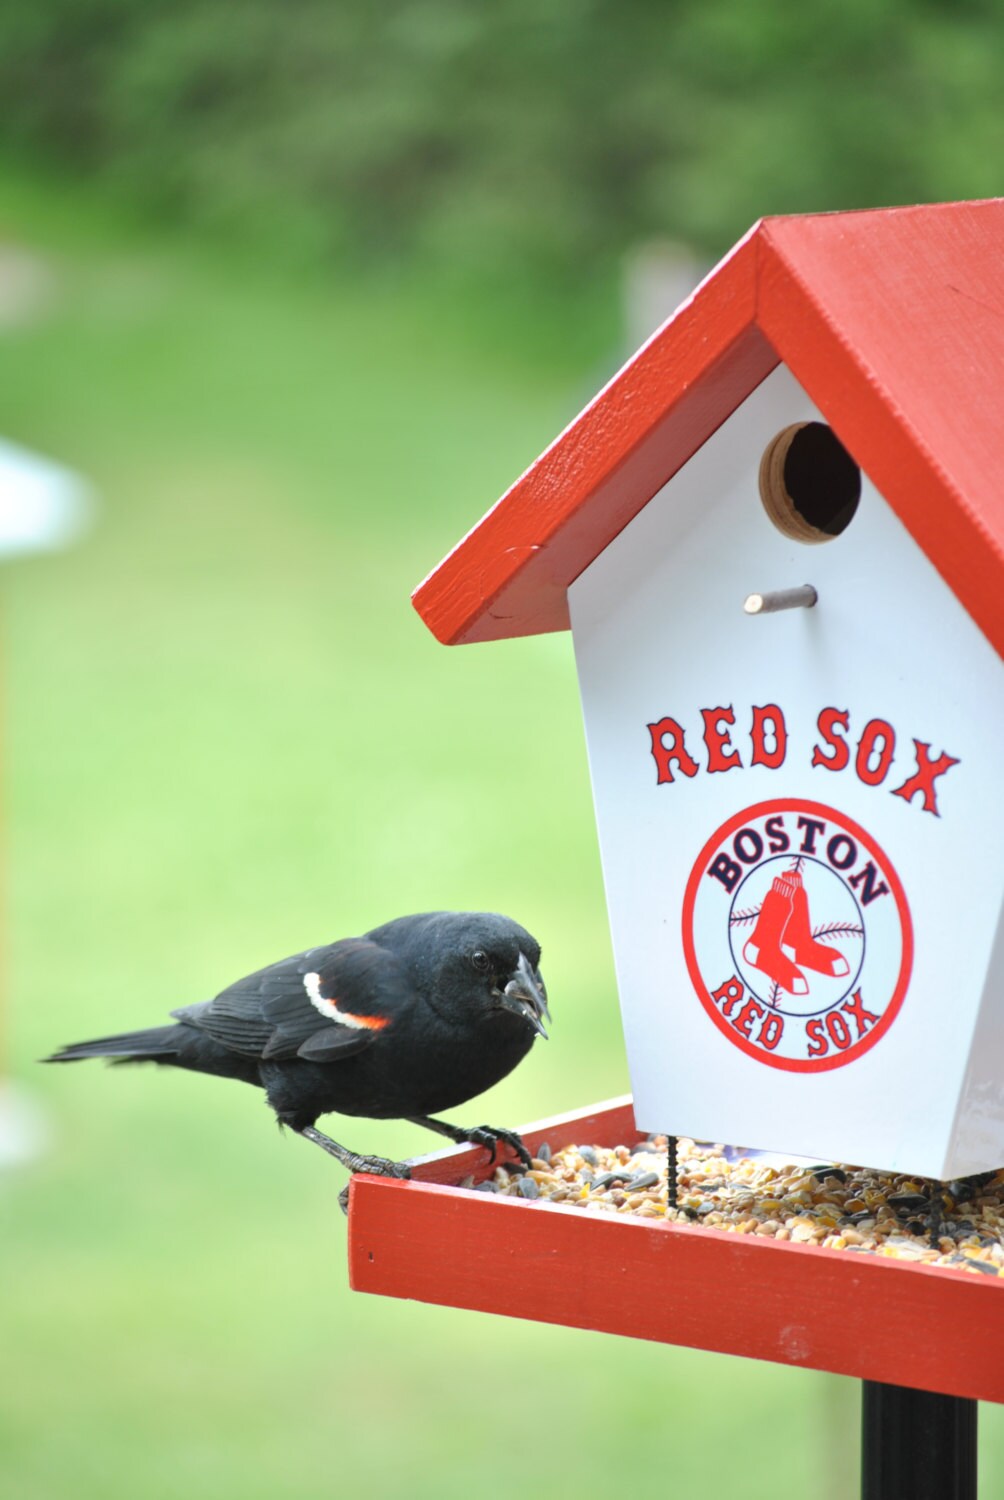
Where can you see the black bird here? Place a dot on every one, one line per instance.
(414, 1017)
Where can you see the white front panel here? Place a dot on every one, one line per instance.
(857, 938)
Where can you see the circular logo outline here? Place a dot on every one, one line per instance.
(864, 1044)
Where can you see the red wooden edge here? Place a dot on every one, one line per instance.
(869, 1316)
(892, 321)
(510, 574)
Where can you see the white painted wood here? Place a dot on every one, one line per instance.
(659, 630)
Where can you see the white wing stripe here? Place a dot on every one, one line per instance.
(329, 1008)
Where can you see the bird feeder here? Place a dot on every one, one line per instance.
(777, 536)
(798, 812)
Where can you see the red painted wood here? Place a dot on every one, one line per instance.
(510, 574)
(894, 323)
(854, 1314)
(610, 1123)
(893, 320)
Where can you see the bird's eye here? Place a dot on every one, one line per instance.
(481, 961)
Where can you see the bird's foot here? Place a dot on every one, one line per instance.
(482, 1135)
(378, 1166)
(489, 1136)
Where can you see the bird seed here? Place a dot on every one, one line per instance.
(958, 1223)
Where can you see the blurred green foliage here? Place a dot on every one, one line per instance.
(551, 134)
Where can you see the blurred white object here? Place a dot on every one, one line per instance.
(24, 1130)
(656, 277)
(42, 505)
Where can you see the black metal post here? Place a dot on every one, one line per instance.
(916, 1445)
(672, 1185)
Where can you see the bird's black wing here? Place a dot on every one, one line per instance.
(324, 1004)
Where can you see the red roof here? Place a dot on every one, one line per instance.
(891, 319)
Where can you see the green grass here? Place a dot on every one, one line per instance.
(228, 736)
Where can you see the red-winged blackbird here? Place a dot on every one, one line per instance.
(414, 1017)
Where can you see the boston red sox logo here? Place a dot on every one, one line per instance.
(797, 935)
(784, 945)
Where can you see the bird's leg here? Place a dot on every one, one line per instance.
(481, 1135)
(378, 1165)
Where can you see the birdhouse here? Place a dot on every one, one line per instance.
(777, 536)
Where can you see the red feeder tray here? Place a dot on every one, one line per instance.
(870, 1316)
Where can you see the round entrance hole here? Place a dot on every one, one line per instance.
(809, 483)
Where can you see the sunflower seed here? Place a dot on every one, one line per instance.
(606, 1178)
(647, 1179)
(823, 1172)
(908, 1202)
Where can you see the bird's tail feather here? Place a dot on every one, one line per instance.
(157, 1044)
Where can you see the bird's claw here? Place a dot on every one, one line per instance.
(375, 1166)
(489, 1136)
(379, 1166)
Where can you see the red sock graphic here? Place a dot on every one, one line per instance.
(798, 935)
(763, 949)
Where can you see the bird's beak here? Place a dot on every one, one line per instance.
(525, 995)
